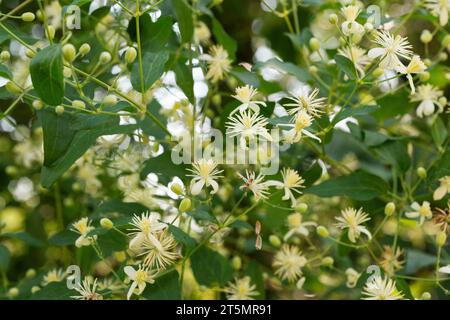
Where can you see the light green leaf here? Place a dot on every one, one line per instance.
(439, 131)
(347, 66)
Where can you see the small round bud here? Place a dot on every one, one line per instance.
(421, 172)
(176, 188)
(389, 209)
(446, 41)
(302, 207)
(39, 15)
(275, 241)
(443, 101)
(426, 296)
(443, 56)
(13, 292)
(441, 238)
(314, 44)
(30, 53)
(69, 52)
(327, 261)
(13, 88)
(333, 18)
(120, 256)
(50, 32)
(322, 231)
(185, 205)
(38, 104)
(424, 76)
(35, 289)
(11, 170)
(106, 223)
(378, 72)
(110, 100)
(105, 57)
(30, 273)
(67, 72)
(78, 104)
(427, 62)
(217, 99)
(85, 49)
(313, 69)
(130, 55)
(426, 36)
(28, 16)
(59, 109)
(236, 262)
(5, 56)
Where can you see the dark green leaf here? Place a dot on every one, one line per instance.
(439, 132)
(210, 268)
(166, 287)
(25, 237)
(164, 168)
(4, 72)
(5, 258)
(181, 236)
(54, 291)
(64, 238)
(154, 35)
(353, 112)
(347, 66)
(394, 153)
(184, 79)
(224, 39)
(153, 64)
(183, 14)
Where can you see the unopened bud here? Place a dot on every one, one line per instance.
(217, 99)
(441, 238)
(275, 241)
(13, 292)
(59, 109)
(389, 209)
(38, 104)
(236, 262)
(50, 32)
(5, 56)
(322, 231)
(105, 57)
(120, 256)
(314, 44)
(13, 88)
(177, 189)
(130, 55)
(426, 36)
(302, 207)
(378, 72)
(185, 205)
(446, 41)
(78, 104)
(421, 172)
(35, 289)
(85, 49)
(333, 18)
(424, 76)
(313, 69)
(30, 273)
(69, 52)
(28, 16)
(426, 296)
(110, 100)
(327, 261)
(106, 223)
(443, 101)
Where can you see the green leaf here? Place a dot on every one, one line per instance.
(353, 112)
(63, 238)
(4, 72)
(394, 153)
(181, 236)
(359, 185)
(185, 81)
(25, 237)
(154, 35)
(164, 168)
(439, 132)
(5, 258)
(183, 14)
(313, 174)
(153, 64)
(403, 286)
(166, 287)
(224, 39)
(54, 291)
(245, 76)
(210, 268)
(347, 66)
(417, 260)
(253, 270)
(46, 71)
(393, 105)
(287, 67)
(201, 213)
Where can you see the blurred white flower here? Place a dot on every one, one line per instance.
(390, 50)
(423, 212)
(241, 289)
(381, 289)
(443, 189)
(289, 262)
(428, 95)
(352, 219)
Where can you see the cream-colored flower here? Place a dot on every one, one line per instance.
(292, 182)
(247, 126)
(358, 56)
(296, 225)
(87, 290)
(145, 227)
(302, 121)
(415, 66)
(350, 26)
(255, 184)
(428, 95)
(439, 8)
(352, 277)
(160, 253)
(289, 262)
(423, 212)
(443, 189)
(310, 103)
(241, 289)
(381, 289)
(55, 275)
(390, 50)
(140, 278)
(219, 63)
(202, 35)
(205, 172)
(352, 219)
(83, 227)
(245, 95)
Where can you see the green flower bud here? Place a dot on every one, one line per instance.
(426, 36)
(38, 104)
(69, 52)
(176, 188)
(30, 273)
(11, 170)
(421, 172)
(130, 55)
(35, 289)
(424, 76)
(67, 72)
(313, 69)
(446, 41)
(30, 53)
(50, 32)
(105, 57)
(327, 261)
(13, 292)
(322, 231)
(333, 18)
(441, 238)
(443, 56)
(13, 88)
(106, 223)
(275, 241)
(59, 109)
(28, 16)
(5, 56)
(217, 99)
(314, 44)
(110, 100)
(426, 296)
(389, 209)
(378, 72)
(443, 101)
(78, 104)
(185, 205)
(236, 262)
(85, 49)
(302, 207)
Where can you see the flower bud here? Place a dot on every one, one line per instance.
(217, 99)
(441, 238)
(424, 76)
(78, 104)
(69, 52)
(13, 292)
(39, 15)
(302, 207)
(50, 32)
(130, 55)
(421, 172)
(314, 44)
(13, 88)
(275, 241)
(313, 69)
(28, 16)
(5, 56)
(443, 101)
(67, 72)
(30, 53)
(105, 57)
(35, 289)
(11, 170)
(38, 104)
(110, 100)
(85, 49)
(185, 205)
(446, 41)
(177, 189)
(426, 296)
(327, 261)
(427, 62)
(389, 209)
(322, 231)
(236, 262)
(120, 256)
(30, 273)
(333, 18)
(106, 223)
(378, 72)
(443, 56)
(59, 109)
(426, 36)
